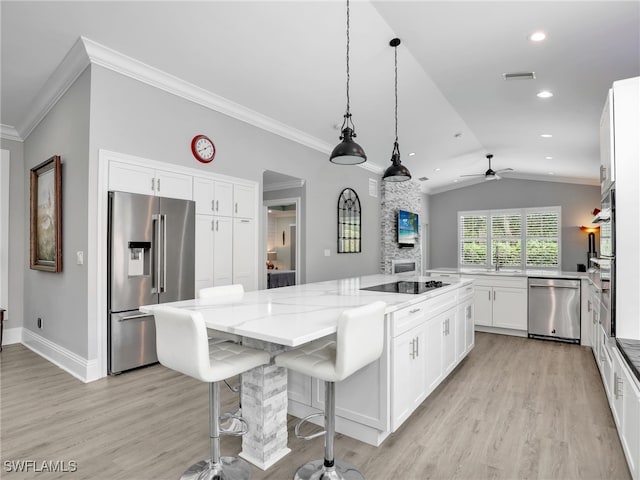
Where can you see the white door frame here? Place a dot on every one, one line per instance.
(273, 203)
(5, 157)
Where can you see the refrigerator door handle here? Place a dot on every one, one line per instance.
(133, 317)
(155, 270)
(163, 279)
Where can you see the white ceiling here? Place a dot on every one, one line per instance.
(286, 60)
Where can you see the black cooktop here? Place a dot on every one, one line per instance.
(407, 287)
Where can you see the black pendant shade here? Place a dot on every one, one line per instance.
(396, 172)
(348, 152)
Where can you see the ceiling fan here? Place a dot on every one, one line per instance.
(490, 174)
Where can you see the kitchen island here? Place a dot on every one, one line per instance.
(426, 336)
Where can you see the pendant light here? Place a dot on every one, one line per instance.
(396, 172)
(348, 152)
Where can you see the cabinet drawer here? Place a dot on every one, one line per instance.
(407, 318)
(465, 293)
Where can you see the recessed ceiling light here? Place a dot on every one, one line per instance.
(548, 158)
(412, 154)
(436, 169)
(457, 135)
(537, 36)
(423, 179)
(551, 173)
(546, 135)
(544, 94)
(455, 181)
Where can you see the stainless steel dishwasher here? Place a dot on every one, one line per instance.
(554, 309)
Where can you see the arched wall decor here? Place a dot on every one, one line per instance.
(349, 218)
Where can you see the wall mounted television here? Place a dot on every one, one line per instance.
(407, 228)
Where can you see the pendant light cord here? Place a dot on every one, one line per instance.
(348, 114)
(395, 49)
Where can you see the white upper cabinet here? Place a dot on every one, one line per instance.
(244, 201)
(132, 178)
(607, 156)
(213, 197)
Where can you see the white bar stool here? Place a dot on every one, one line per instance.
(182, 345)
(223, 292)
(359, 341)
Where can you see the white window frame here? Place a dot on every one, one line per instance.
(523, 212)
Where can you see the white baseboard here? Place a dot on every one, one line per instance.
(12, 335)
(81, 368)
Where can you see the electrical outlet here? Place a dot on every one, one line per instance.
(327, 252)
(39, 322)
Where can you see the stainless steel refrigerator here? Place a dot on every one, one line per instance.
(151, 260)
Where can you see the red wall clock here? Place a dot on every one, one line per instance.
(203, 149)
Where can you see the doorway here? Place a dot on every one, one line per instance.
(283, 244)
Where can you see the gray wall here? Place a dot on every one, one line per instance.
(130, 117)
(60, 299)
(577, 202)
(18, 217)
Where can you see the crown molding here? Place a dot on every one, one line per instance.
(73, 64)
(130, 67)
(370, 167)
(272, 187)
(9, 133)
(85, 52)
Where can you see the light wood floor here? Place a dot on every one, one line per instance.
(515, 408)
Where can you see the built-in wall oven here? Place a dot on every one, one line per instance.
(607, 220)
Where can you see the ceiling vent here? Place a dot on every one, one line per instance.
(519, 76)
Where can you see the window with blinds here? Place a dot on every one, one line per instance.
(506, 239)
(543, 238)
(473, 239)
(516, 238)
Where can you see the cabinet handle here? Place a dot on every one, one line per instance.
(158, 184)
(494, 295)
(212, 206)
(216, 225)
(412, 353)
(236, 207)
(212, 225)
(417, 346)
(415, 310)
(489, 295)
(588, 305)
(153, 184)
(216, 205)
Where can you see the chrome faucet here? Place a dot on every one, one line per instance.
(496, 259)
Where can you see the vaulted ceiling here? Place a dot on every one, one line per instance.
(286, 60)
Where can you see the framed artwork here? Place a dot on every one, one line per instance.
(46, 216)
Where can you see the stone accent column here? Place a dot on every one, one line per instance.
(396, 196)
(264, 406)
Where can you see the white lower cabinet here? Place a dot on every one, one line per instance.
(244, 253)
(500, 302)
(409, 374)
(420, 351)
(223, 247)
(625, 406)
(430, 339)
(214, 247)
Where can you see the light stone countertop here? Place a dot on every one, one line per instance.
(299, 314)
(510, 273)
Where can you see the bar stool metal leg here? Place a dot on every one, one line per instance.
(329, 468)
(217, 468)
